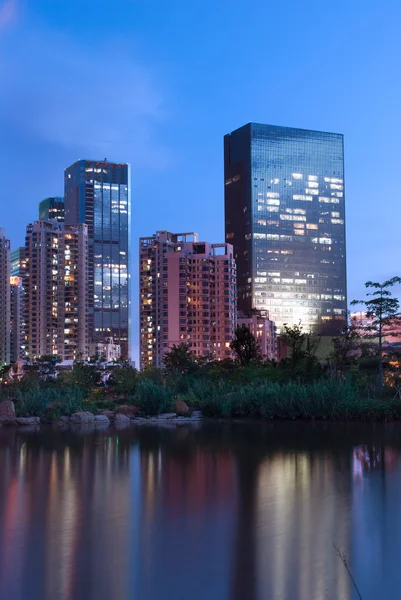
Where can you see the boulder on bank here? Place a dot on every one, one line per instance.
(129, 411)
(120, 419)
(7, 412)
(181, 408)
(107, 413)
(28, 420)
(82, 417)
(102, 419)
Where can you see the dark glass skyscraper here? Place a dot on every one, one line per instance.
(52, 208)
(285, 216)
(98, 194)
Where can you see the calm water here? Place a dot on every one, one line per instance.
(223, 512)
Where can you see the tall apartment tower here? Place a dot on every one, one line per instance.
(55, 290)
(98, 194)
(4, 298)
(16, 320)
(52, 208)
(187, 295)
(285, 216)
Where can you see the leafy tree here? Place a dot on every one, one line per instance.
(123, 379)
(180, 359)
(245, 346)
(46, 366)
(346, 350)
(294, 337)
(383, 309)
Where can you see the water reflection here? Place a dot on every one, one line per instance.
(236, 512)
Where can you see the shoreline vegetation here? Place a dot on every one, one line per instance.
(299, 388)
(359, 380)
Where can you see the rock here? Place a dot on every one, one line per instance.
(103, 419)
(82, 417)
(129, 411)
(196, 414)
(166, 416)
(64, 420)
(181, 408)
(121, 420)
(7, 412)
(28, 420)
(107, 413)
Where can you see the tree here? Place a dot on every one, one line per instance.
(346, 349)
(179, 359)
(383, 309)
(123, 379)
(245, 346)
(46, 366)
(294, 337)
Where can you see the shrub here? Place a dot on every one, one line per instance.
(152, 398)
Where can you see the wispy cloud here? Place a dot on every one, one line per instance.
(98, 101)
(8, 13)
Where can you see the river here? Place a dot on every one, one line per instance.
(220, 511)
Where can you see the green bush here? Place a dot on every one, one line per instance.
(38, 401)
(151, 398)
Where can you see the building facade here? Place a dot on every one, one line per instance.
(285, 216)
(4, 299)
(55, 290)
(17, 261)
(263, 330)
(17, 343)
(187, 295)
(98, 194)
(52, 208)
(107, 351)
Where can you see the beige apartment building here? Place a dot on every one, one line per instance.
(263, 330)
(55, 290)
(187, 295)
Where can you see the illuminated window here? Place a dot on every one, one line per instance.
(297, 175)
(302, 197)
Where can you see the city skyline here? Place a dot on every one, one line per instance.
(330, 74)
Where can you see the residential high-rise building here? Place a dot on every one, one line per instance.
(285, 216)
(52, 208)
(4, 298)
(17, 343)
(55, 290)
(98, 194)
(17, 261)
(263, 330)
(187, 295)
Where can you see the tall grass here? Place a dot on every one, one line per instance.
(325, 399)
(38, 401)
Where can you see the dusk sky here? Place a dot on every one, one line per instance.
(157, 84)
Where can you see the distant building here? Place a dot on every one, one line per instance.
(55, 290)
(17, 261)
(107, 351)
(263, 330)
(4, 299)
(98, 194)
(285, 216)
(17, 343)
(52, 208)
(187, 295)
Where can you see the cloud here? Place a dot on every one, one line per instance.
(96, 100)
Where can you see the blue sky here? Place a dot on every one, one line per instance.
(158, 84)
